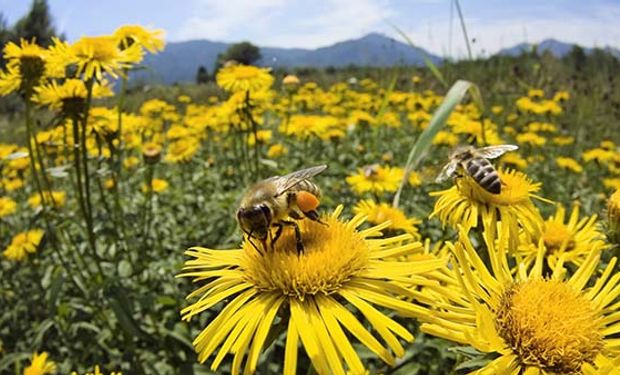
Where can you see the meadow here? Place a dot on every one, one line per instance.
(122, 252)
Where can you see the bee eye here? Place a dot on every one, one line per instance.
(266, 212)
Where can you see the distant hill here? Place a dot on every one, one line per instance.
(180, 61)
(556, 47)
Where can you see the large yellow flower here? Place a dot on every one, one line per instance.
(467, 203)
(70, 96)
(182, 150)
(23, 243)
(314, 294)
(242, 78)
(26, 67)
(40, 365)
(151, 40)
(573, 241)
(376, 179)
(95, 56)
(533, 324)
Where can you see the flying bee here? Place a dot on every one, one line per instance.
(474, 161)
(271, 203)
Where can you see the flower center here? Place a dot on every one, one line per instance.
(557, 236)
(549, 325)
(245, 72)
(332, 255)
(96, 48)
(516, 188)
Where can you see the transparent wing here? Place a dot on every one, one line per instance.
(285, 183)
(492, 152)
(447, 171)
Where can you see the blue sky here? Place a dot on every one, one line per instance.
(306, 23)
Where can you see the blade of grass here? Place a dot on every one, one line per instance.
(427, 61)
(458, 10)
(452, 99)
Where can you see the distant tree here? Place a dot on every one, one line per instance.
(202, 76)
(36, 24)
(577, 56)
(244, 53)
(5, 35)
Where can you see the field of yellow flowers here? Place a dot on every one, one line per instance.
(121, 250)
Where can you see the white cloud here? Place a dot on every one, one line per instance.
(311, 24)
(218, 19)
(283, 23)
(594, 29)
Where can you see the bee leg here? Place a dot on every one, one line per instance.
(299, 243)
(277, 235)
(314, 216)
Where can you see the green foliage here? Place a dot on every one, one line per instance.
(202, 76)
(244, 53)
(37, 24)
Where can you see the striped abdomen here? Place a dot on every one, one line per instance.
(308, 186)
(483, 172)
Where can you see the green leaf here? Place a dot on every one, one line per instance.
(121, 306)
(9, 359)
(55, 288)
(124, 268)
(452, 99)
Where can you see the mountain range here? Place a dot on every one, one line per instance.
(179, 61)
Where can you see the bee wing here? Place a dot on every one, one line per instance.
(285, 183)
(447, 171)
(492, 152)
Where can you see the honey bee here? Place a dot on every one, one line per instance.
(474, 161)
(271, 203)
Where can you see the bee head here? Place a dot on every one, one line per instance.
(255, 220)
(462, 152)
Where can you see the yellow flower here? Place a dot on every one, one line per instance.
(70, 96)
(532, 322)
(23, 243)
(497, 109)
(290, 80)
(532, 139)
(569, 164)
(536, 93)
(97, 372)
(242, 78)
(26, 67)
(109, 183)
(563, 140)
(611, 183)
(7, 206)
(561, 96)
(379, 213)
(571, 241)
(376, 179)
(613, 216)
(466, 204)
(131, 162)
(414, 179)
(263, 136)
(151, 40)
(54, 198)
(40, 365)
(157, 185)
(514, 160)
(95, 56)
(182, 150)
(320, 295)
(277, 150)
(446, 138)
(600, 155)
